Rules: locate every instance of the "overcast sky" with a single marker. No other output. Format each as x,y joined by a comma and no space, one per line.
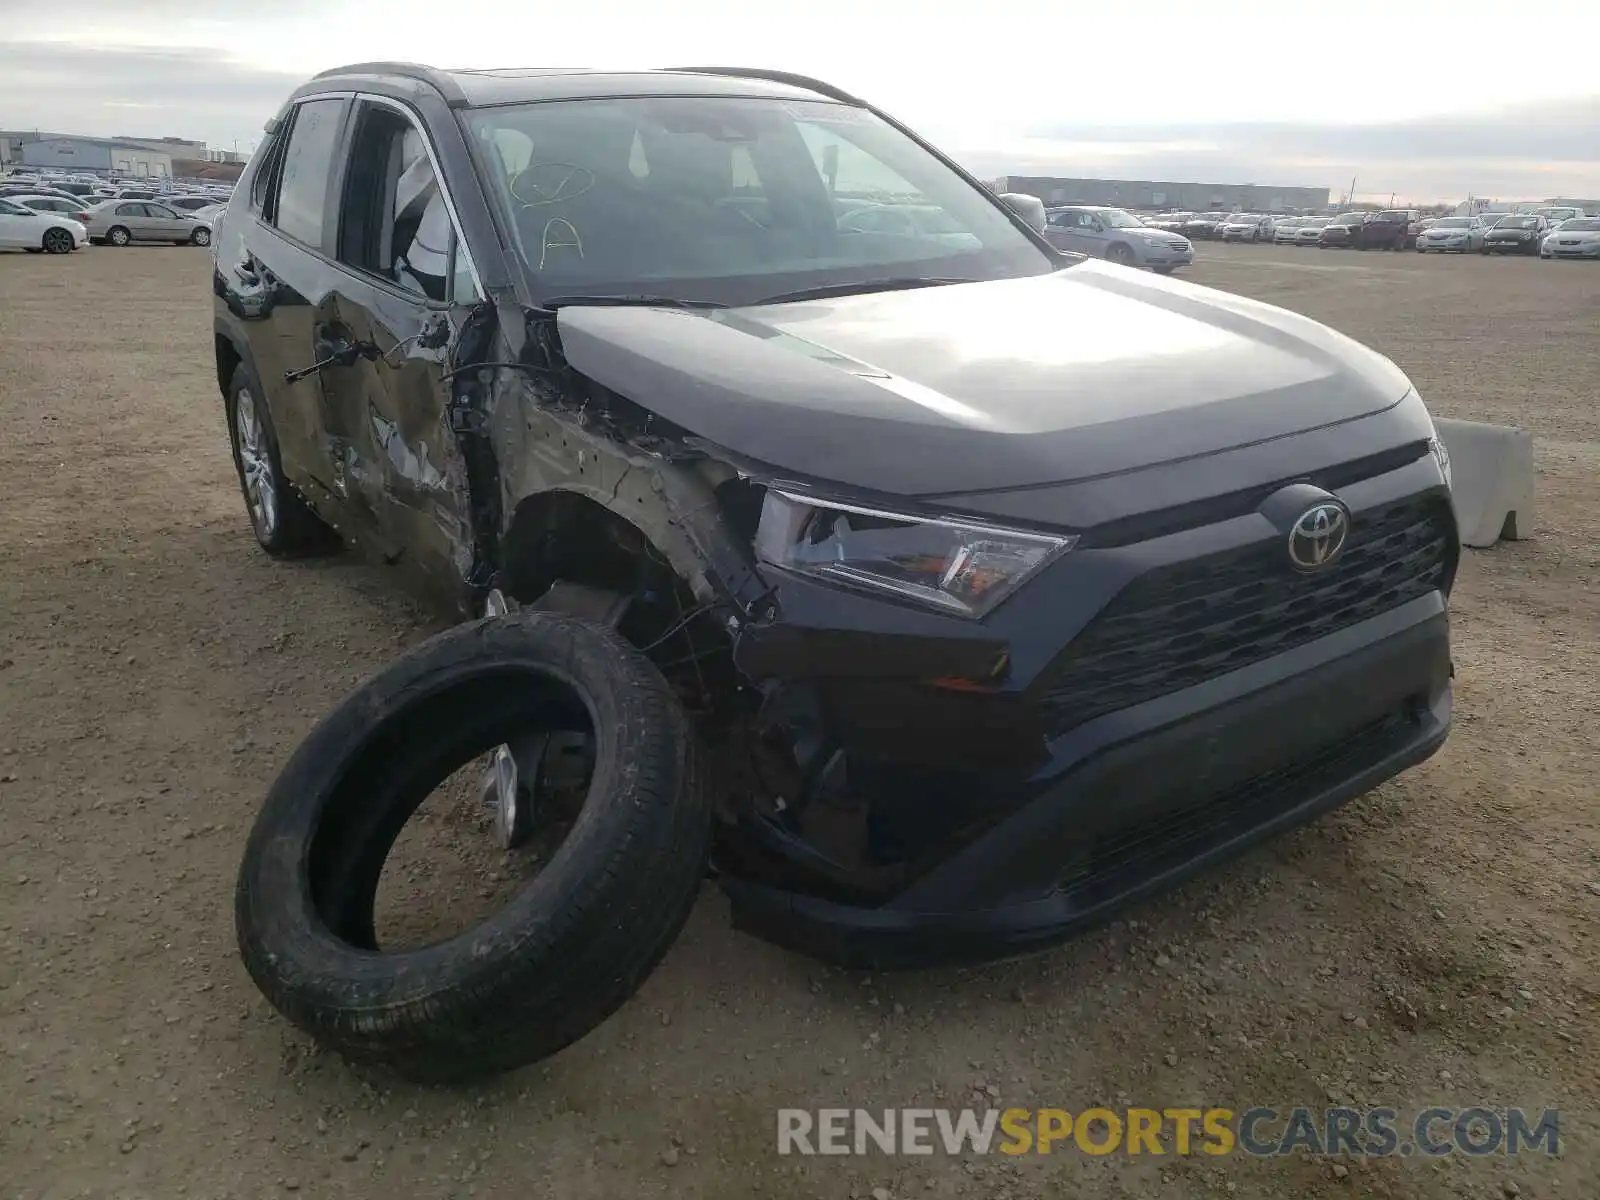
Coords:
1429,100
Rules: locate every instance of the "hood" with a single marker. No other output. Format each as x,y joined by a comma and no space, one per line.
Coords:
1090,370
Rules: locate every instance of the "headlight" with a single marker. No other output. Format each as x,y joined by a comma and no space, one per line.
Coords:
946,563
1442,457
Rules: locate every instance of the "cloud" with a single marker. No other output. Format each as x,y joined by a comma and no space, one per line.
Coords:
1528,151
103,91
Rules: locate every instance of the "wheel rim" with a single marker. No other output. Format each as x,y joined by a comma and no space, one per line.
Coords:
57,242
119,237
1118,254
255,466
202,237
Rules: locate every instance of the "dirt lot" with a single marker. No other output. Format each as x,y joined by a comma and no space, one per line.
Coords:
1431,944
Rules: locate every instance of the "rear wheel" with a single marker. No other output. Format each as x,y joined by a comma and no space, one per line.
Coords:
118,236
201,237
283,523
57,241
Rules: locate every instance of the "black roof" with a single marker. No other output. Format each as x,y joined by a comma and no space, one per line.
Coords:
472,88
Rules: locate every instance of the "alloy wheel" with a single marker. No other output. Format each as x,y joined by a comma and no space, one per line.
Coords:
255,465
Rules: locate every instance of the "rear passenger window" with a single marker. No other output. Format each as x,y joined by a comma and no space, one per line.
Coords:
307,168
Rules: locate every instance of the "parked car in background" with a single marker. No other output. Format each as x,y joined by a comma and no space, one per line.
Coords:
73,210
120,222
11,191
1578,237
1286,230
1245,227
1117,236
1518,233
1309,233
189,203
1559,212
1452,234
1367,231
1171,222
24,228
1415,228
1203,225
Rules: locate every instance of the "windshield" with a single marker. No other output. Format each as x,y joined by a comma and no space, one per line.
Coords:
1117,219
1351,219
1453,223
730,200
1518,222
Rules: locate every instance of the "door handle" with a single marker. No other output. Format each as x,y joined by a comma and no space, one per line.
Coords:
333,352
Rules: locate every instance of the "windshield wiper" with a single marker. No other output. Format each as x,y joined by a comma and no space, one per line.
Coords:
865,286
640,301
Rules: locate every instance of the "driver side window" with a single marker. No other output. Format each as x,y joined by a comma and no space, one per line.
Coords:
393,219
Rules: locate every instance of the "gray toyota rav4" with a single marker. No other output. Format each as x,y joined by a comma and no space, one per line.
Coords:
1008,585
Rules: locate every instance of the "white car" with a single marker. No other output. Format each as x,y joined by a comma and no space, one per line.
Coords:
1244,227
1577,237
1309,231
25,228
1286,230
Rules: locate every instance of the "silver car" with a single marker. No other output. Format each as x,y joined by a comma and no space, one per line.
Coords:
1576,237
1286,230
119,222
1456,235
1117,236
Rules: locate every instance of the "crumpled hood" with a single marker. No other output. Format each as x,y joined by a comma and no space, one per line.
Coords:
1092,370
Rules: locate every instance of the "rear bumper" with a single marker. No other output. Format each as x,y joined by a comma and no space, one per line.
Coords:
1134,802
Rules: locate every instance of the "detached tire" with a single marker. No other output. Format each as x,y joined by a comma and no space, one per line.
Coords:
570,947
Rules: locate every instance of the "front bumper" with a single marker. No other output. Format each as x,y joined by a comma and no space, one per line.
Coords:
1512,245
988,860
1150,796
1583,250
1165,256
1457,246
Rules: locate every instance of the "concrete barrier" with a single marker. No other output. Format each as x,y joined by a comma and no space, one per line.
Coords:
1491,469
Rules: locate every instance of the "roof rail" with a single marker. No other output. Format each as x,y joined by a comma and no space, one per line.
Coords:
439,80
788,77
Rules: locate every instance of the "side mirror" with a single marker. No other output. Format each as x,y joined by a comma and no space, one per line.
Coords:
1029,208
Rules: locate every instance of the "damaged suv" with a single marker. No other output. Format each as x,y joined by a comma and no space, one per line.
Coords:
1001,586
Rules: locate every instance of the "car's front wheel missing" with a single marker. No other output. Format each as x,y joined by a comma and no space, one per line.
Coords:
283,523
583,906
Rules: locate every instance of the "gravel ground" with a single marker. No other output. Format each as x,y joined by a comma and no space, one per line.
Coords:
1429,944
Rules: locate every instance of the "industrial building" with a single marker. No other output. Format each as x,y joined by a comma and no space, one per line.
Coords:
154,158
98,155
1189,197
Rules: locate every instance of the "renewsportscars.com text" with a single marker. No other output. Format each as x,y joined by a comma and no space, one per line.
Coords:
1261,1132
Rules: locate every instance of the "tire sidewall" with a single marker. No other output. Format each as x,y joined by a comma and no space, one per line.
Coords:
274,905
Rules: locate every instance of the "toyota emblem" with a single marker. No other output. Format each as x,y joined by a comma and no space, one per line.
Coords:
1318,537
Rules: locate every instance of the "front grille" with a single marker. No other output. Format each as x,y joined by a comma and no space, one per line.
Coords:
1183,624
1172,837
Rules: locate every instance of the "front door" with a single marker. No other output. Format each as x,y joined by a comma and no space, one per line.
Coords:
401,299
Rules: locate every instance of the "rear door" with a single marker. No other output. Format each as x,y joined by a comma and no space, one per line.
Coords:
405,288
278,272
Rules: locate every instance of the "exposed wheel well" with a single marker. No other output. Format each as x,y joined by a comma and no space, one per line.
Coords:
228,360
567,536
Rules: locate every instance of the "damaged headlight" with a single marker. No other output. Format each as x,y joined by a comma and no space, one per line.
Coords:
950,564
